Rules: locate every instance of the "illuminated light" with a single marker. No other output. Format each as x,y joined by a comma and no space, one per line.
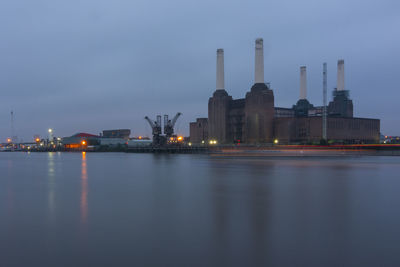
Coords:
83,142
190,144
171,138
276,141
180,138
140,138
50,130
8,140
37,140
202,141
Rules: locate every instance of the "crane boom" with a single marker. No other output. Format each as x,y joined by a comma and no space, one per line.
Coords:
175,119
152,125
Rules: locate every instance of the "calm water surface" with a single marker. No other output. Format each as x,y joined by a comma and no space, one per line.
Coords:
116,209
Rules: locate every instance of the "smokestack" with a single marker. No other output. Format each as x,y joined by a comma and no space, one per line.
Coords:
303,82
220,69
340,75
259,62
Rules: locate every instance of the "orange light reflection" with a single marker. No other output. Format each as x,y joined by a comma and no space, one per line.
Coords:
84,192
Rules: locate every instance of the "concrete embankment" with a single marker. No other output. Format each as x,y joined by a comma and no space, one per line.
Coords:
298,151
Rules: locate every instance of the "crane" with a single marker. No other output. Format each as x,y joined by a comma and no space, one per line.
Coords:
156,129
158,138
170,124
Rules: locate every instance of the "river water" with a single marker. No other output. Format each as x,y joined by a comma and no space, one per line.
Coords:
117,209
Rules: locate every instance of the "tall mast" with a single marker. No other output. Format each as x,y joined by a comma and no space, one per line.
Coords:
324,115
12,127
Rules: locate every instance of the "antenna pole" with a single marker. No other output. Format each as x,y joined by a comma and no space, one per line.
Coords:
324,115
12,127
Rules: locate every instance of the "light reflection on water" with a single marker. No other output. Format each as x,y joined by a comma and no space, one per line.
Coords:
84,191
188,210
51,183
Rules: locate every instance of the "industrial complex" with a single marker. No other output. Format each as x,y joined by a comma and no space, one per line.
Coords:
255,119
252,120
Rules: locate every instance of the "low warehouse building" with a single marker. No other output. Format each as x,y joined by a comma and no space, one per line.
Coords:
199,131
120,133
80,141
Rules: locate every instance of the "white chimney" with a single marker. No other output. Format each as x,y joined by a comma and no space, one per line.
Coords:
303,82
340,75
259,62
220,69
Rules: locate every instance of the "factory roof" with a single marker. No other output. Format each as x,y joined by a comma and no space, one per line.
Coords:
84,135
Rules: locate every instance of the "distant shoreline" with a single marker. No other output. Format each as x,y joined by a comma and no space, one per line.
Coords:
255,150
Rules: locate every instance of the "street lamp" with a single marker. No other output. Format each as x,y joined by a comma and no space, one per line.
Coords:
50,135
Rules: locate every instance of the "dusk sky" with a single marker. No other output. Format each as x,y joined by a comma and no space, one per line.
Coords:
86,66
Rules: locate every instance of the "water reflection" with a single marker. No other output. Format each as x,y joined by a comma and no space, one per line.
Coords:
51,184
260,207
280,204
188,210
10,191
84,190
241,200
221,210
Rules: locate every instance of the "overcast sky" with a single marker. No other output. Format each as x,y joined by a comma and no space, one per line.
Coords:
90,65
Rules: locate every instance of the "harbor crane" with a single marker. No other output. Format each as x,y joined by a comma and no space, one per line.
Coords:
170,124
160,139
156,129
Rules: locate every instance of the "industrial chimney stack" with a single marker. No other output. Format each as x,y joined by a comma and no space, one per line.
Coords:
303,82
220,69
340,75
259,61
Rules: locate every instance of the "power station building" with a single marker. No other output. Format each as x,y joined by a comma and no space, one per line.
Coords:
255,119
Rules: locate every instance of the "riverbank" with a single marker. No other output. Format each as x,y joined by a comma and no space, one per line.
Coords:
244,150
306,150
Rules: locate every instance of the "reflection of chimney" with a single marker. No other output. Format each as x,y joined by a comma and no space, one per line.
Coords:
340,75
259,62
220,69
303,82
